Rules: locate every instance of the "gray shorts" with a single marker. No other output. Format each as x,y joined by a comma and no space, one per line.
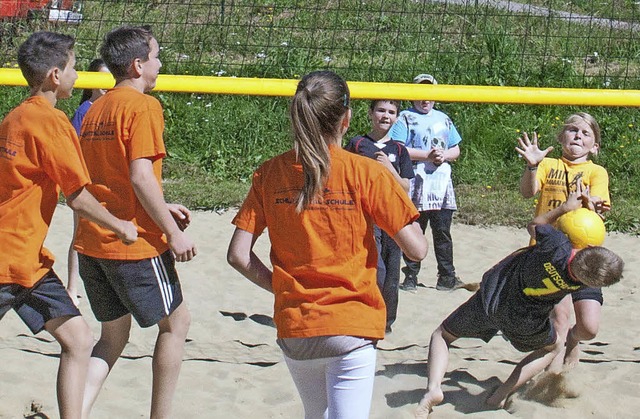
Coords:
470,320
148,289
46,300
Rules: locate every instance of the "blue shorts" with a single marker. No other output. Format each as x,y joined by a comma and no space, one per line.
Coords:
471,321
46,300
148,289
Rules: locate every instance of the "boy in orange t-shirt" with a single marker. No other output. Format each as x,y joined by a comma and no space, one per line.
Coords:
121,140
39,155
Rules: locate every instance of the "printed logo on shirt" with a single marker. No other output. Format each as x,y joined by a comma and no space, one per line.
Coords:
552,284
560,178
341,200
100,131
8,150
554,203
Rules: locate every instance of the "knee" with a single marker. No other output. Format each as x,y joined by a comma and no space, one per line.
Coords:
179,321
585,330
440,334
79,340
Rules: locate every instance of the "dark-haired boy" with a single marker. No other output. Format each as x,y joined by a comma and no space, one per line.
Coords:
393,155
39,155
516,297
121,140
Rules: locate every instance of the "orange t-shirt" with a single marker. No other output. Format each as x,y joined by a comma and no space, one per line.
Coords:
122,126
324,259
39,153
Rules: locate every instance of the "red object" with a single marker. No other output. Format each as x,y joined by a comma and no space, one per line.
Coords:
20,8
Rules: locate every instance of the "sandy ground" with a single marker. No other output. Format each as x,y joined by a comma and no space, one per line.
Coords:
233,368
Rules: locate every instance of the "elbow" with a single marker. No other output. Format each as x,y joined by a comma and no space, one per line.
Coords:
418,250
75,200
233,259
527,193
237,260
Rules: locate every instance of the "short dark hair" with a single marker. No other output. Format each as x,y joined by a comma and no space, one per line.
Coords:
597,266
374,102
94,65
41,52
123,45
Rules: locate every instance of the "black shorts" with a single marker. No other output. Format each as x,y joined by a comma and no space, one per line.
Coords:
46,300
148,289
470,320
588,294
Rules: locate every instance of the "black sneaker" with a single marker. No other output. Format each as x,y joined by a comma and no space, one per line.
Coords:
410,284
449,283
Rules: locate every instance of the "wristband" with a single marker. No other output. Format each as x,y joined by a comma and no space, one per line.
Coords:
532,168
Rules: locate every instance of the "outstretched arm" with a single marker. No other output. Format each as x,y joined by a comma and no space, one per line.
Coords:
240,255
529,150
574,201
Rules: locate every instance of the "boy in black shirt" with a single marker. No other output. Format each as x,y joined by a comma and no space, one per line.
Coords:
516,297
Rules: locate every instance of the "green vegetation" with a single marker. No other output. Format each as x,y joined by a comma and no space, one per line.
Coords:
215,142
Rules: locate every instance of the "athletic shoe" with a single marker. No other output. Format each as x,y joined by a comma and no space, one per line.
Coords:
410,284
449,283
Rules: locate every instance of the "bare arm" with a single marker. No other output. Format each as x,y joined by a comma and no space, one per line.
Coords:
149,193
420,155
412,241
73,274
451,154
529,185
574,201
86,206
240,255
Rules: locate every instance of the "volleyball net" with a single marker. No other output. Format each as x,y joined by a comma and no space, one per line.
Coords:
484,51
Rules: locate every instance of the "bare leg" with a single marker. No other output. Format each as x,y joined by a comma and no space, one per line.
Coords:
437,367
531,365
167,360
76,340
586,328
113,338
561,317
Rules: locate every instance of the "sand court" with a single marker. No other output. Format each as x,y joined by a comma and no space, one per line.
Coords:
234,369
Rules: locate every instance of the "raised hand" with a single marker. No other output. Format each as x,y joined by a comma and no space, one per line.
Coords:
530,151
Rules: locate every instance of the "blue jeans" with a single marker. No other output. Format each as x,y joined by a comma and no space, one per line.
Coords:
388,276
440,221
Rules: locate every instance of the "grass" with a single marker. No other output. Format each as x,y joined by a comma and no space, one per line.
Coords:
215,142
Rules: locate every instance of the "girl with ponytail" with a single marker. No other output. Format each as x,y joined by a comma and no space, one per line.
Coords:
319,203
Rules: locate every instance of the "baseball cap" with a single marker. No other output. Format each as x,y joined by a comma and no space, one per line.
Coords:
424,78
